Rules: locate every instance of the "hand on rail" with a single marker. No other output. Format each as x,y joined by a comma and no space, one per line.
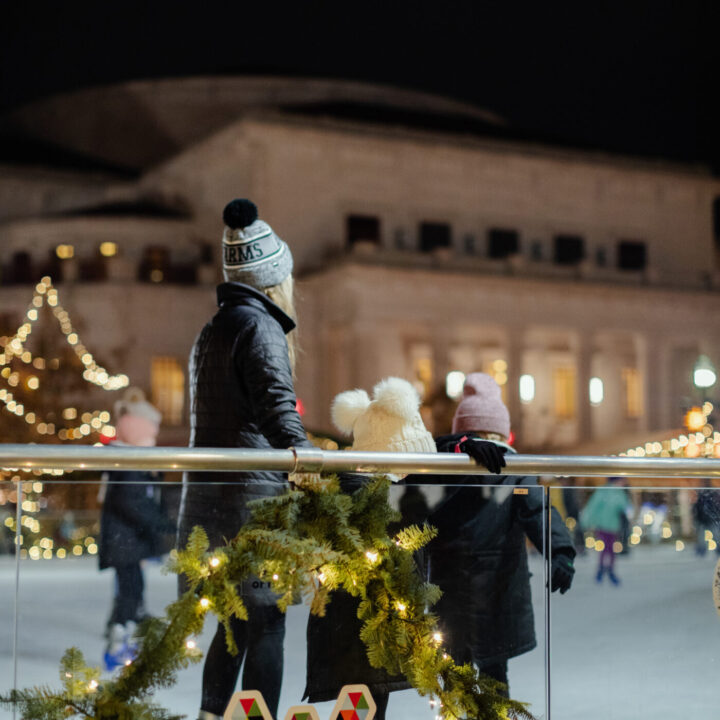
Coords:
485,453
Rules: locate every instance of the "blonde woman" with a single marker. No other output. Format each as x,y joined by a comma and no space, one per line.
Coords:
242,396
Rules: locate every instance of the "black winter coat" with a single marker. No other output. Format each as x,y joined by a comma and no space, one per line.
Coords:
241,396
479,560
133,525
336,655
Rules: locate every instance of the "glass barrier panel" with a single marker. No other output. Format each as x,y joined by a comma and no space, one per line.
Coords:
638,634
8,570
488,558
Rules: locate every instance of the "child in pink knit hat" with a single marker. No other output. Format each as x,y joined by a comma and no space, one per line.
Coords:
479,558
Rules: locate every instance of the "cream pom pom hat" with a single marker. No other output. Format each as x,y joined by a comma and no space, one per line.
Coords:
389,422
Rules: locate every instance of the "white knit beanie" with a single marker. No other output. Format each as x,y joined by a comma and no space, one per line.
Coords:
389,422
133,403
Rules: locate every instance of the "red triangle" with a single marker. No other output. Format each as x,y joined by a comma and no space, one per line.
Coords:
247,703
355,698
349,715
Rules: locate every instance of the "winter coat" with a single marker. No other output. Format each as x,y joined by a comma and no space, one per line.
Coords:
605,508
133,524
336,655
241,396
479,559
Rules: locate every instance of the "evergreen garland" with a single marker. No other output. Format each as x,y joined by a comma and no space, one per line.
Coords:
308,543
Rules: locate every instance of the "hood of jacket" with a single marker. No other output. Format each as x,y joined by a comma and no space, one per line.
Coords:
235,293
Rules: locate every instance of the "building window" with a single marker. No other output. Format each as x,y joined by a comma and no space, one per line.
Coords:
569,249
155,264
168,389
363,228
434,235
422,368
632,255
564,392
632,392
502,243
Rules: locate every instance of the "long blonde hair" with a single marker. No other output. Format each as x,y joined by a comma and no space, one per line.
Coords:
283,295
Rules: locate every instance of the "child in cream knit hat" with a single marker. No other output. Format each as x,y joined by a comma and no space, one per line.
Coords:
388,422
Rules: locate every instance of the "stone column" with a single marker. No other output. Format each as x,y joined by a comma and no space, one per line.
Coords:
514,349
584,373
654,365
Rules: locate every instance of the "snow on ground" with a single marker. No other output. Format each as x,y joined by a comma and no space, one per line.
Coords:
647,649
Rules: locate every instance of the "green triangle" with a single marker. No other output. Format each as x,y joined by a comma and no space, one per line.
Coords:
302,716
255,710
362,703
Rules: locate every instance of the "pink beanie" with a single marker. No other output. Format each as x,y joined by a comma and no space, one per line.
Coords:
481,408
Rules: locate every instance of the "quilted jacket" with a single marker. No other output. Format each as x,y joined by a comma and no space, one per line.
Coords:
241,396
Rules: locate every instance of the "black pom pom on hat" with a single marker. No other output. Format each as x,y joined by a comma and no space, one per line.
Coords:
240,213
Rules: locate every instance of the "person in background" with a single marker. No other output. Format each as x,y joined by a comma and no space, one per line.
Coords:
336,656
242,396
132,524
603,516
479,558
706,514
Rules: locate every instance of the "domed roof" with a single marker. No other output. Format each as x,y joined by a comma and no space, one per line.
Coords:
137,124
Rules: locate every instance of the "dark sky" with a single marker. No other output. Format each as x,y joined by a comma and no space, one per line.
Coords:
633,77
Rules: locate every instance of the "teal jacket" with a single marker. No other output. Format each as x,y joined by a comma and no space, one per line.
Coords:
604,509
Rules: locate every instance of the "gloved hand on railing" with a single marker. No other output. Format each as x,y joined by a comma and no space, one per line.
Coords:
485,453
562,572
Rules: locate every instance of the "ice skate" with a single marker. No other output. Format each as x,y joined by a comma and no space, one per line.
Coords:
117,652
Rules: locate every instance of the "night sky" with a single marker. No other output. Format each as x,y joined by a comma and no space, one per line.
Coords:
630,77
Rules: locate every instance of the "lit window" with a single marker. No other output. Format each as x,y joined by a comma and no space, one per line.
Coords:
632,392
596,390
108,249
564,392
168,388
497,370
454,382
65,252
527,388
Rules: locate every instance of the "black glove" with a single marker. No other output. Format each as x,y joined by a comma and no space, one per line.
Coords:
562,573
485,453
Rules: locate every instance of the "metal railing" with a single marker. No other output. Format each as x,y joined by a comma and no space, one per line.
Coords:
312,460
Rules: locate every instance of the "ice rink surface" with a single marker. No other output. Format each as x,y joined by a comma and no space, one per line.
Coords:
647,649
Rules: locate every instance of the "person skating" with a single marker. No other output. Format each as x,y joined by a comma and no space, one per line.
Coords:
242,396
603,516
479,558
132,525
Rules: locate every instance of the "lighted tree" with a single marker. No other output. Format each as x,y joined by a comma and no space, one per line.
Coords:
52,390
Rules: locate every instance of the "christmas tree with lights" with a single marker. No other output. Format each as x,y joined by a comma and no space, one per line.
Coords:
47,375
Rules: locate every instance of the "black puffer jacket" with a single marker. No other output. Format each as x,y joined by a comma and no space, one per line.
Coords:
133,525
479,560
241,396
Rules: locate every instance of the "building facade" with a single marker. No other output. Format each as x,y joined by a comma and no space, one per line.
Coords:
587,284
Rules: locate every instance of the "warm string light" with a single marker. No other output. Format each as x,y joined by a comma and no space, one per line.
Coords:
13,346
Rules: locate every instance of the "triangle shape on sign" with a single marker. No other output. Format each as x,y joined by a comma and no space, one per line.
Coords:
348,715
302,716
354,698
348,704
247,704
255,710
362,703
362,713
